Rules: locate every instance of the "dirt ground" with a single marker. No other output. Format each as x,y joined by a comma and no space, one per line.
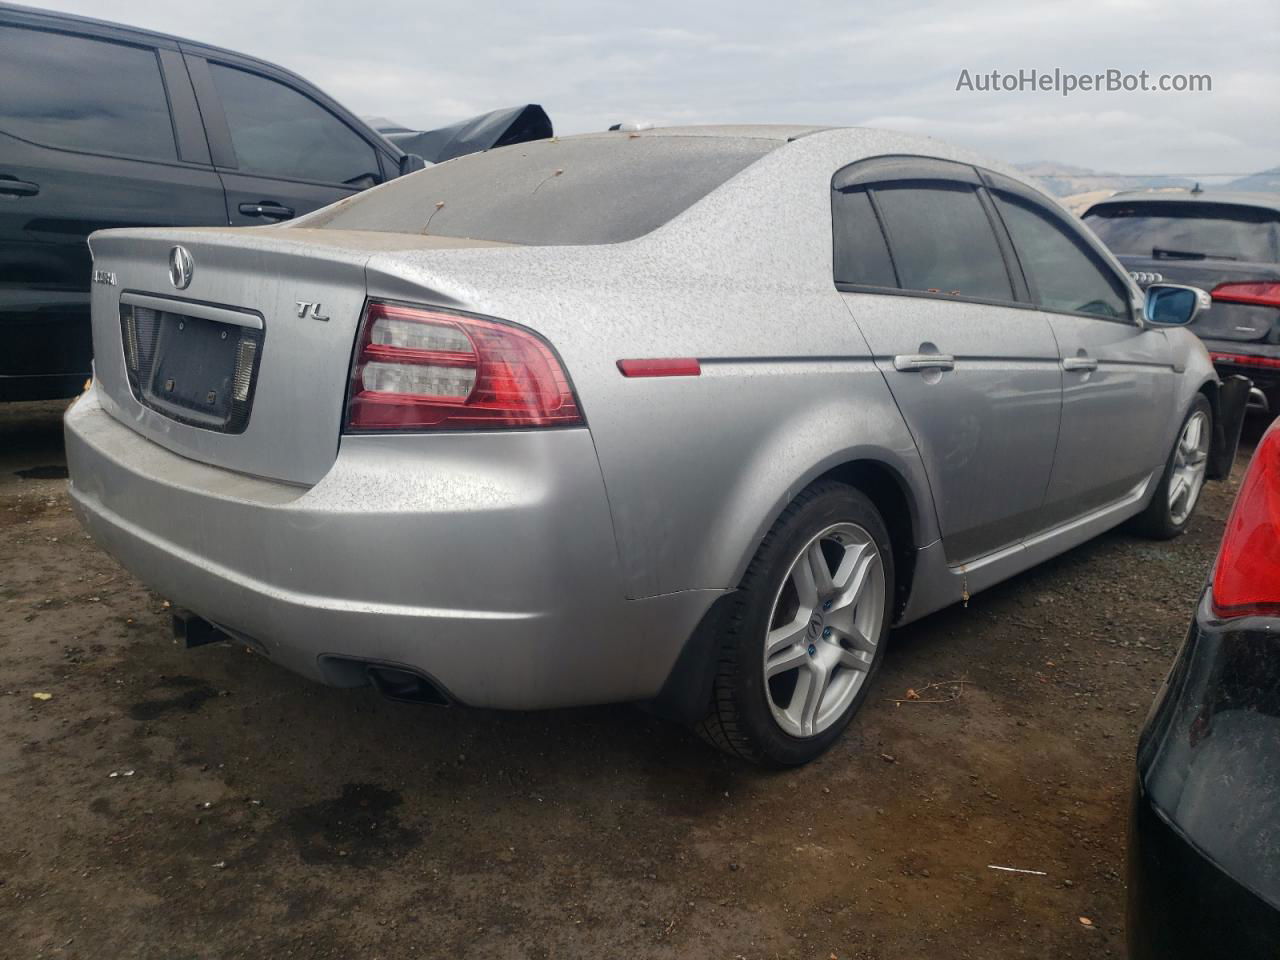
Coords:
207,804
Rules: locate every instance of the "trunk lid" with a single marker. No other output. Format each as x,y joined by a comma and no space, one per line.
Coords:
246,366
1222,321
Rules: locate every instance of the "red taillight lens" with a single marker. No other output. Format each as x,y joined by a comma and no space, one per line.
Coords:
419,368
1258,294
1246,579
1244,360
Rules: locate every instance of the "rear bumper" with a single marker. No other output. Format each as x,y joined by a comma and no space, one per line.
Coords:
1204,879
1260,362
1182,905
484,561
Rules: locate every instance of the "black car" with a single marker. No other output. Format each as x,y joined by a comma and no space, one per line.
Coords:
107,126
1225,243
1204,844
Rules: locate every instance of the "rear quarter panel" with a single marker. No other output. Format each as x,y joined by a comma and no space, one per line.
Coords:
698,468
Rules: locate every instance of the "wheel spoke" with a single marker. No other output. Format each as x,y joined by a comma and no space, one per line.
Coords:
1193,494
806,588
785,636
855,659
815,685
859,640
788,658
1176,490
819,569
854,582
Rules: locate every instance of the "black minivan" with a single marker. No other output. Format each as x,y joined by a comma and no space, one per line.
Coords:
108,126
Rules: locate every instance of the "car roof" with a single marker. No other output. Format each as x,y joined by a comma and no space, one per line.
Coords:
781,132
37,18
857,143
1240,198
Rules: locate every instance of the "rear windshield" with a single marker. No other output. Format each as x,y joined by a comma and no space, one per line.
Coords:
1186,231
577,191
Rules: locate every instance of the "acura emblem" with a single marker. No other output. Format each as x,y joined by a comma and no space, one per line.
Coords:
180,267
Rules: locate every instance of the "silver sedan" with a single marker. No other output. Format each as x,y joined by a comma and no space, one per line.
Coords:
690,417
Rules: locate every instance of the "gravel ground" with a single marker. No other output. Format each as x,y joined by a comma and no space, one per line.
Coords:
172,804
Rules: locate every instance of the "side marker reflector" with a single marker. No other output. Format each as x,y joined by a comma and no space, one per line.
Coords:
661,367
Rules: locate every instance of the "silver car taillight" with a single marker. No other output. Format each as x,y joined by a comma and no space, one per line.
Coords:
423,368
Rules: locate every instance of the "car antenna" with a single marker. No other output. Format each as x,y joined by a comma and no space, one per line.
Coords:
1197,188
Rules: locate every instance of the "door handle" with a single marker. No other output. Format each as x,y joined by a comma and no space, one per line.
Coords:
1080,363
10,187
907,362
266,208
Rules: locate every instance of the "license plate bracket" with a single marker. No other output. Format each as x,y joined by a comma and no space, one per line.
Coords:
195,363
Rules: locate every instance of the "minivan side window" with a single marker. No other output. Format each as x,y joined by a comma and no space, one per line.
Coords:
860,251
77,93
942,240
1063,274
279,132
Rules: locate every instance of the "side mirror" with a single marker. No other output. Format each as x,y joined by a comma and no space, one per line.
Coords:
411,163
1174,305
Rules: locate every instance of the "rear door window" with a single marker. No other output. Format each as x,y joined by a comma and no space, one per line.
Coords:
942,240
279,132
1064,275
77,93
861,251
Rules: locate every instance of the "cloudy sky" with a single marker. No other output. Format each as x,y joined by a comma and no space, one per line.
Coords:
594,62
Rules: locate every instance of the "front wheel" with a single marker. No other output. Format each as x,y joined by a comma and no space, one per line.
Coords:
807,632
1178,493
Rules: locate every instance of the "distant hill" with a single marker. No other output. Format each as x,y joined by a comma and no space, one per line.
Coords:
1268,181
1064,180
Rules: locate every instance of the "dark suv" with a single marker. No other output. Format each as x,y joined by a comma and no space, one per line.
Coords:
1225,243
107,126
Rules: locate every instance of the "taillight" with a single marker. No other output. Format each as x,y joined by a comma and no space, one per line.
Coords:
1258,294
1244,360
420,368
1246,579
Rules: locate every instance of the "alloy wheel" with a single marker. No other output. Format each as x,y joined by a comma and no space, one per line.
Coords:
1190,460
824,629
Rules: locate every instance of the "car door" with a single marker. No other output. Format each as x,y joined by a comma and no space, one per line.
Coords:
926,276
280,152
1117,376
97,130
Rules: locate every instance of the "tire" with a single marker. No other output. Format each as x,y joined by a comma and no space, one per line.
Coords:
1273,402
1162,520
834,649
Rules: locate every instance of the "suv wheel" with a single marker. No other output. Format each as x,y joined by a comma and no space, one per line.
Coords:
808,630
